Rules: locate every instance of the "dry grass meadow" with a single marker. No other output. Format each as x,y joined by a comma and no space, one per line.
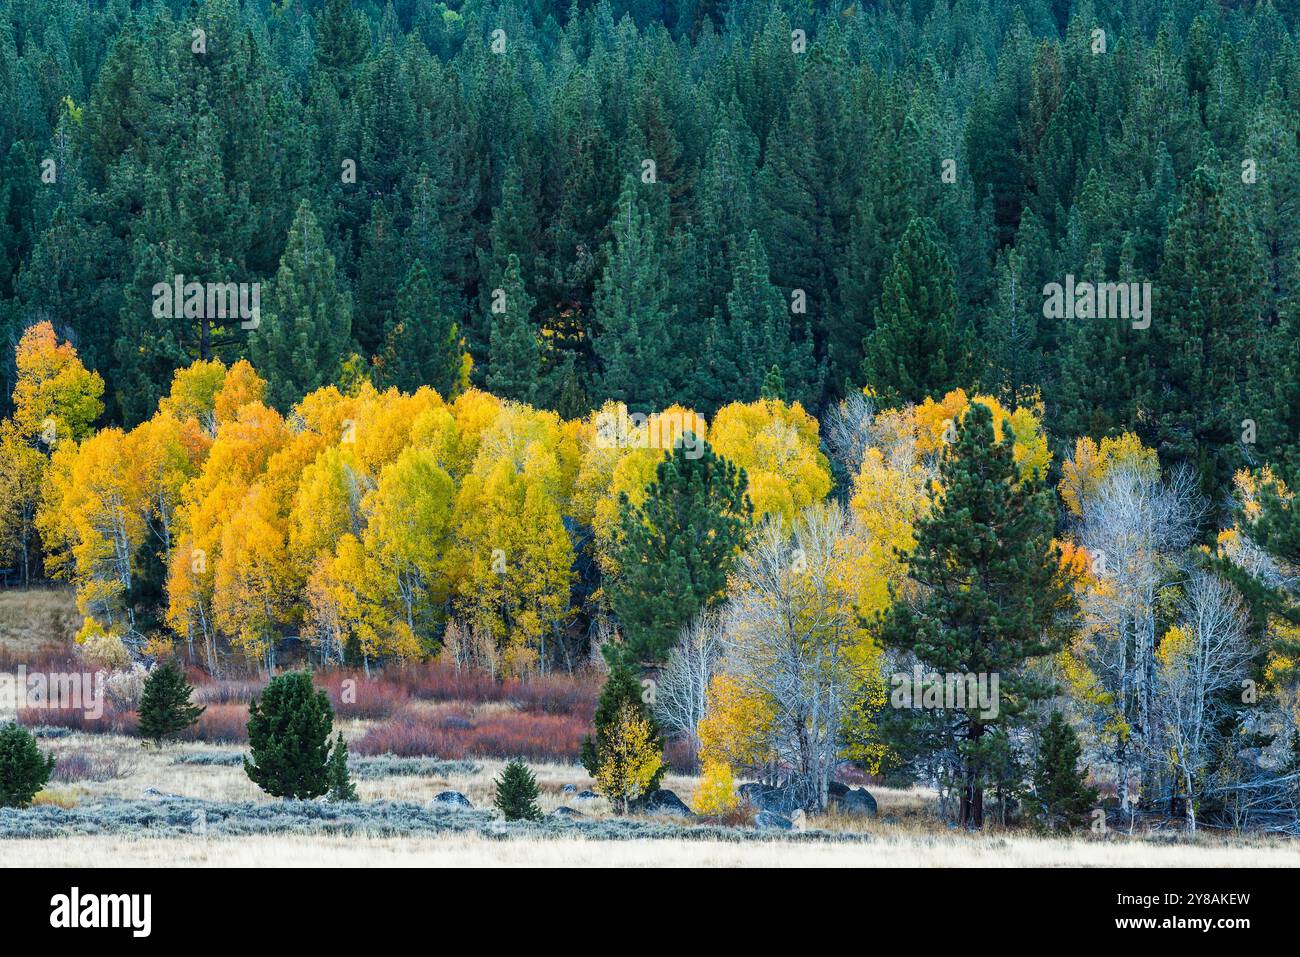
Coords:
101,768
904,836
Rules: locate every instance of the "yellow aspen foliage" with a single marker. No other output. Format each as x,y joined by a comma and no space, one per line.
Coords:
618,455
241,386
1087,691
194,392
340,602
936,424
716,794
326,506
238,457
737,726
381,426
252,596
55,397
436,430
94,515
1248,486
474,411
1083,473
162,455
327,412
22,477
511,562
406,542
889,498
778,447
629,760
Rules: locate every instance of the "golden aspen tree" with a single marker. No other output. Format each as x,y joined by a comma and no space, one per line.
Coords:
716,793
55,397
252,598
95,520
512,558
616,457
629,760
777,444
56,401
406,541
239,455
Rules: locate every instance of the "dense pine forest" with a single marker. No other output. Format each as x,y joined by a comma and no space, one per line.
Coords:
787,358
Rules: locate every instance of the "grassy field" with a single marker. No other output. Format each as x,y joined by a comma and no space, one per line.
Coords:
36,617
905,835
471,850
102,779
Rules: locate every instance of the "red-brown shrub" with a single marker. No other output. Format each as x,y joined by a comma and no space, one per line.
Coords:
454,733
374,697
219,724
110,722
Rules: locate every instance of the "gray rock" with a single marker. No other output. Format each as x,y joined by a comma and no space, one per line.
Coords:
771,821
453,799
664,801
155,793
763,798
569,789
857,802
586,796
563,811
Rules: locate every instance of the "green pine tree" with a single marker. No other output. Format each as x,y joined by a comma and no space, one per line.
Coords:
516,793
423,344
773,385
289,736
1205,340
514,355
23,769
634,310
165,707
341,787
993,598
918,349
302,338
677,547
1062,796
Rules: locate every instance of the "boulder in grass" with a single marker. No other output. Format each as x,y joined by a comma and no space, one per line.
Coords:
664,801
452,799
566,812
856,802
586,796
771,821
761,797
569,789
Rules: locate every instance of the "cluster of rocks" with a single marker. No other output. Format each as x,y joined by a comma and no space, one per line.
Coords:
778,808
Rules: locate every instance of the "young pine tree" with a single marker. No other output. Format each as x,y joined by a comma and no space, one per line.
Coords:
289,735
993,597
23,769
341,786
621,692
516,793
1062,795
165,707
678,546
